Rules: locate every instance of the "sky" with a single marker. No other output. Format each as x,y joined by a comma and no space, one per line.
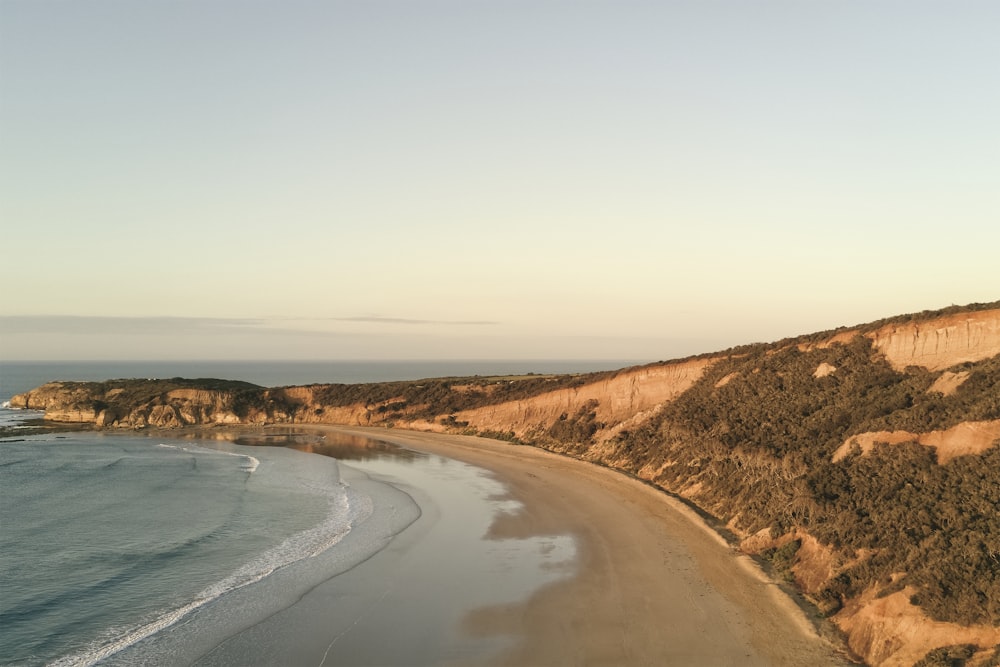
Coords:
477,179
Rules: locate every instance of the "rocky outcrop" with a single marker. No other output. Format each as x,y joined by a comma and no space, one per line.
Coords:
823,370
948,383
889,631
133,404
52,394
814,563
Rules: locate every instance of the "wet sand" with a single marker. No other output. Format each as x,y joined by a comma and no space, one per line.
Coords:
653,585
403,597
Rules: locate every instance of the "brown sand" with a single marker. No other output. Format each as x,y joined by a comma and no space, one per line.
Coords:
655,585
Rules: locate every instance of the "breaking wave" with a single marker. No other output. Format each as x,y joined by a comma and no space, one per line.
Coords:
344,511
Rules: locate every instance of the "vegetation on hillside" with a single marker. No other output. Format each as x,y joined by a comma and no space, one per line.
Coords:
761,447
432,398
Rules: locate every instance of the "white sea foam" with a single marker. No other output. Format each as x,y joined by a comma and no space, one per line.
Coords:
95,655
345,510
11,417
249,465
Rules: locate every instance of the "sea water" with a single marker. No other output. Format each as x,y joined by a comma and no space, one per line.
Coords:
109,539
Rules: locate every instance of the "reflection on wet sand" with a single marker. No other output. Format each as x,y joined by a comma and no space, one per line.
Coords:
341,446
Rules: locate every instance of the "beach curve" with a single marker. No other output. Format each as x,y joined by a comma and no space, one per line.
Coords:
655,584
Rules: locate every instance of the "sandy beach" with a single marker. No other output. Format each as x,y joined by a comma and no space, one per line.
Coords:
467,551
653,585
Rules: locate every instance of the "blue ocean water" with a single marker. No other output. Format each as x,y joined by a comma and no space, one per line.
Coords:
113,546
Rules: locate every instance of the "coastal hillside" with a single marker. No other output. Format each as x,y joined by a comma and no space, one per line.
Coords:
863,464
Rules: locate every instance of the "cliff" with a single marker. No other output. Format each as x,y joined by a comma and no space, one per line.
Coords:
142,403
941,342
862,464
627,396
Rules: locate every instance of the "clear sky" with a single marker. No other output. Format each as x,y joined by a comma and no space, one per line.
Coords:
290,179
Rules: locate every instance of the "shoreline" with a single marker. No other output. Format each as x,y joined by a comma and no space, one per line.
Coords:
643,556
403,604
652,582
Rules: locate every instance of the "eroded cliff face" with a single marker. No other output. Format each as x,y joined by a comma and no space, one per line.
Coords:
889,631
962,439
935,344
304,405
116,407
51,394
628,396
941,343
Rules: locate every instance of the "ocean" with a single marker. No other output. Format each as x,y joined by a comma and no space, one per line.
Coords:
120,548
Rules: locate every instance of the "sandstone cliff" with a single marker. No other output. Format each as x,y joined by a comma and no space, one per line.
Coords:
142,403
617,400
942,342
